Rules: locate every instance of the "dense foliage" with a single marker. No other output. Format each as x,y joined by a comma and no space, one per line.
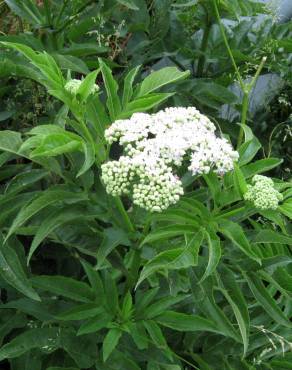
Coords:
101,268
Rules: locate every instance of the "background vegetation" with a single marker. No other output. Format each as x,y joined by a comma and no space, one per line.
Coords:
87,280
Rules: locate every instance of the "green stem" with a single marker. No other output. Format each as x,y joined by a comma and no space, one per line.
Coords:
124,214
244,110
256,76
242,85
231,213
245,101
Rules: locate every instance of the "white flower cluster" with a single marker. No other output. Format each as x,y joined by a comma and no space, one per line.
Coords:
154,146
262,193
73,85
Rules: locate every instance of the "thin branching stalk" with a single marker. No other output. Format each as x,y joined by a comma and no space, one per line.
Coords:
124,214
245,87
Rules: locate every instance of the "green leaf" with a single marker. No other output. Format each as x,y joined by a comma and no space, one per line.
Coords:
111,293
130,4
30,12
283,278
111,86
83,352
168,232
260,166
87,85
160,78
110,342
12,272
239,180
128,85
248,150
178,216
70,62
286,208
112,238
208,305
10,141
30,339
174,259
24,180
235,233
95,324
54,220
281,364
211,94
89,154
96,114
56,144
44,62
94,279
264,298
161,305
155,333
235,298
64,286
39,310
214,246
139,335
80,312
143,104
42,201
127,307
183,322
270,236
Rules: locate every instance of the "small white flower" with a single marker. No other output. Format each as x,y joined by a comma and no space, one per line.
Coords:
154,146
262,193
73,85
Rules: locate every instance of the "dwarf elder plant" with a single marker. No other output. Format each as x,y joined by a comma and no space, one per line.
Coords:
134,240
